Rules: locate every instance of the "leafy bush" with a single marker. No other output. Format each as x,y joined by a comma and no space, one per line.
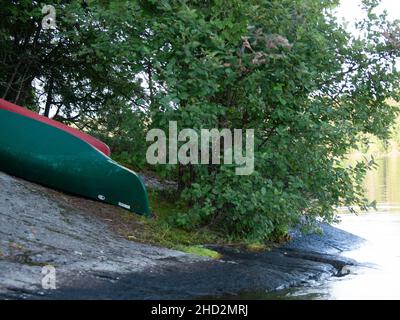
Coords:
285,68
288,70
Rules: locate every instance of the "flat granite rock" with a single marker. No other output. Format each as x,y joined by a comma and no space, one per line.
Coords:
40,227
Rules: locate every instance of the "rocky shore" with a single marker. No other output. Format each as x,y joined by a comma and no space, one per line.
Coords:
41,227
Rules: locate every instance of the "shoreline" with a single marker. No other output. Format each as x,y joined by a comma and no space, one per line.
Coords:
41,227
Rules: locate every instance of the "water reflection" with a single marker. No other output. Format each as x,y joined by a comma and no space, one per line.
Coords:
381,228
382,231
383,184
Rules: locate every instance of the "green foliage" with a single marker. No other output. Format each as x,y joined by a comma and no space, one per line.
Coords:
199,251
162,232
81,73
291,72
287,69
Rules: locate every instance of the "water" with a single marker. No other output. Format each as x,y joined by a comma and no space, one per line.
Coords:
380,278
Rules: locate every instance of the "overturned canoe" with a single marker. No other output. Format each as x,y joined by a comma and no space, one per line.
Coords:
42,153
8,106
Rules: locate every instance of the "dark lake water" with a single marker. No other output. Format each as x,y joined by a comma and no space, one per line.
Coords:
380,279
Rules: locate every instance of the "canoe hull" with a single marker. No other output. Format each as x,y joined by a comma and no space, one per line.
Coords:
8,106
44,154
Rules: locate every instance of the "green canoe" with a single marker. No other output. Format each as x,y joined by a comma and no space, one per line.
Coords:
41,153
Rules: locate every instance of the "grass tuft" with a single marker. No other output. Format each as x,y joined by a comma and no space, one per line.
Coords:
199,251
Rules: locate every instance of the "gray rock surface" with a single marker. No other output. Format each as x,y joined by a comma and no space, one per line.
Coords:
39,227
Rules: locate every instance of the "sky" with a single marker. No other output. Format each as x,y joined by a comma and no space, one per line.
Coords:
351,9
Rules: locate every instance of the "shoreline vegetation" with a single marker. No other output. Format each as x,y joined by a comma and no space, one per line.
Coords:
307,87
159,232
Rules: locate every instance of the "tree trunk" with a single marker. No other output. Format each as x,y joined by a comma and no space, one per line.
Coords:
49,99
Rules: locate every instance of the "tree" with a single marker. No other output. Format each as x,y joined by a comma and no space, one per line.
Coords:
74,72
290,71
285,68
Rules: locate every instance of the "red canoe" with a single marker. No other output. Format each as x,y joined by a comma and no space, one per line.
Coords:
99,145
